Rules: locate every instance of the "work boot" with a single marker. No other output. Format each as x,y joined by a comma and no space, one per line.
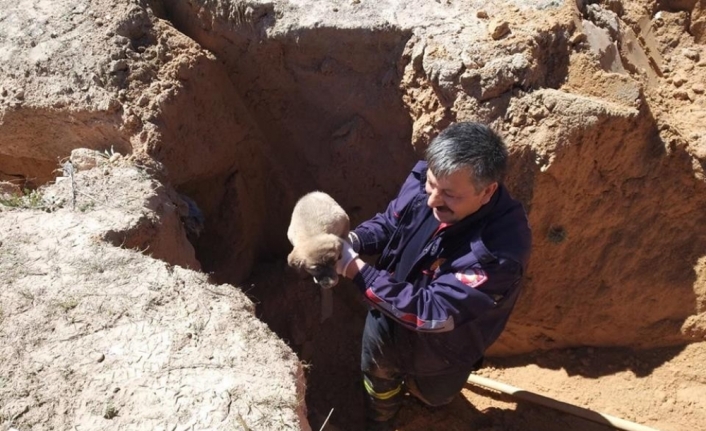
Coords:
381,405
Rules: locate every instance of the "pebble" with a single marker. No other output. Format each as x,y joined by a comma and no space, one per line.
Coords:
99,357
482,14
691,54
680,95
119,65
498,29
577,38
678,81
698,88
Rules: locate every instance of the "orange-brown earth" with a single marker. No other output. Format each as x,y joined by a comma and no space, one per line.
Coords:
244,106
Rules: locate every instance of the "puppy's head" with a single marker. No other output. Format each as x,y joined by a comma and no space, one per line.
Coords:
318,256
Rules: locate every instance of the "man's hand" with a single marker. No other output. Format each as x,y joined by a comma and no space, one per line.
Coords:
348,255
354,240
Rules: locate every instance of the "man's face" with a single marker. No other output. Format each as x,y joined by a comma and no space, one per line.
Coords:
454,196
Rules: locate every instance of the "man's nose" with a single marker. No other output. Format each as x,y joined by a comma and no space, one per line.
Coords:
434,199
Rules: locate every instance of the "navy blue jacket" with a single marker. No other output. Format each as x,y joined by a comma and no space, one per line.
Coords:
451,289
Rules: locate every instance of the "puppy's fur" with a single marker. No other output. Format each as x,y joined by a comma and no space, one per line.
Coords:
316,231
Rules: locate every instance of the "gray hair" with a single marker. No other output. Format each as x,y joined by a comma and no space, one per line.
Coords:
472,146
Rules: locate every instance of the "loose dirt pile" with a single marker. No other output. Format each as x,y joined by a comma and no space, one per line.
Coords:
240,107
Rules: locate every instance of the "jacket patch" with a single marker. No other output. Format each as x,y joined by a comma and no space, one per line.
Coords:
472,277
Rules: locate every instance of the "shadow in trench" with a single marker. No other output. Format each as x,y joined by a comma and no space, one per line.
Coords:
594,362
328,106
331,349
525,415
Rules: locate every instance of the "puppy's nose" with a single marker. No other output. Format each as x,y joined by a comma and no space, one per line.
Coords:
326,282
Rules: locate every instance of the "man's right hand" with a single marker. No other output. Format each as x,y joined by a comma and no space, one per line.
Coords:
348,255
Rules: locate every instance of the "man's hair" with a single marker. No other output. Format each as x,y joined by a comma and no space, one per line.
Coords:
471,146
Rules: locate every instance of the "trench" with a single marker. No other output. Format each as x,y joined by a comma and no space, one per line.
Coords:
325,110
321,108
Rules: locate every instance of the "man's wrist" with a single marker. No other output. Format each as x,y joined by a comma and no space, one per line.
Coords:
354,241
354,267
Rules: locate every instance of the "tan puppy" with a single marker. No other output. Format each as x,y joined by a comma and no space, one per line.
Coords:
316,231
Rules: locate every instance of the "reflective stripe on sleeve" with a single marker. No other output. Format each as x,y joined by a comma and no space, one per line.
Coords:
420,324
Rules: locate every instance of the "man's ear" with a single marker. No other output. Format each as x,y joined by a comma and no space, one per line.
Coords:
488,192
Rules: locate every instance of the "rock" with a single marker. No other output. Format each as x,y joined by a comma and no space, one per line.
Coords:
83,159
498,28
680,95
678,81
9,189
577,38
691,54
119,66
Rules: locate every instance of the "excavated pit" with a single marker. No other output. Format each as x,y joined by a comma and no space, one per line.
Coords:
327,105
329,110
603,155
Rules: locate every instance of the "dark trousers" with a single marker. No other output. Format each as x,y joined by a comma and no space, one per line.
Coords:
385,378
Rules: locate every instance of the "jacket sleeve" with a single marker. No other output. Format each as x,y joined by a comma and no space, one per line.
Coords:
376,232
450,299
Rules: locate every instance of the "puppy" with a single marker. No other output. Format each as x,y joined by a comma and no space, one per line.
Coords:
316,232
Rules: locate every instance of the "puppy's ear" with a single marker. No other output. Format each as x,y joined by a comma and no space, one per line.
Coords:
295,261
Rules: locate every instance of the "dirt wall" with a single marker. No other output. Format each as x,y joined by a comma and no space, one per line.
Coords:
585,95
244,106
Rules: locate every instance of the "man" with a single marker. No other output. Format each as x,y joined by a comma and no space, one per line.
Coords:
453,247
